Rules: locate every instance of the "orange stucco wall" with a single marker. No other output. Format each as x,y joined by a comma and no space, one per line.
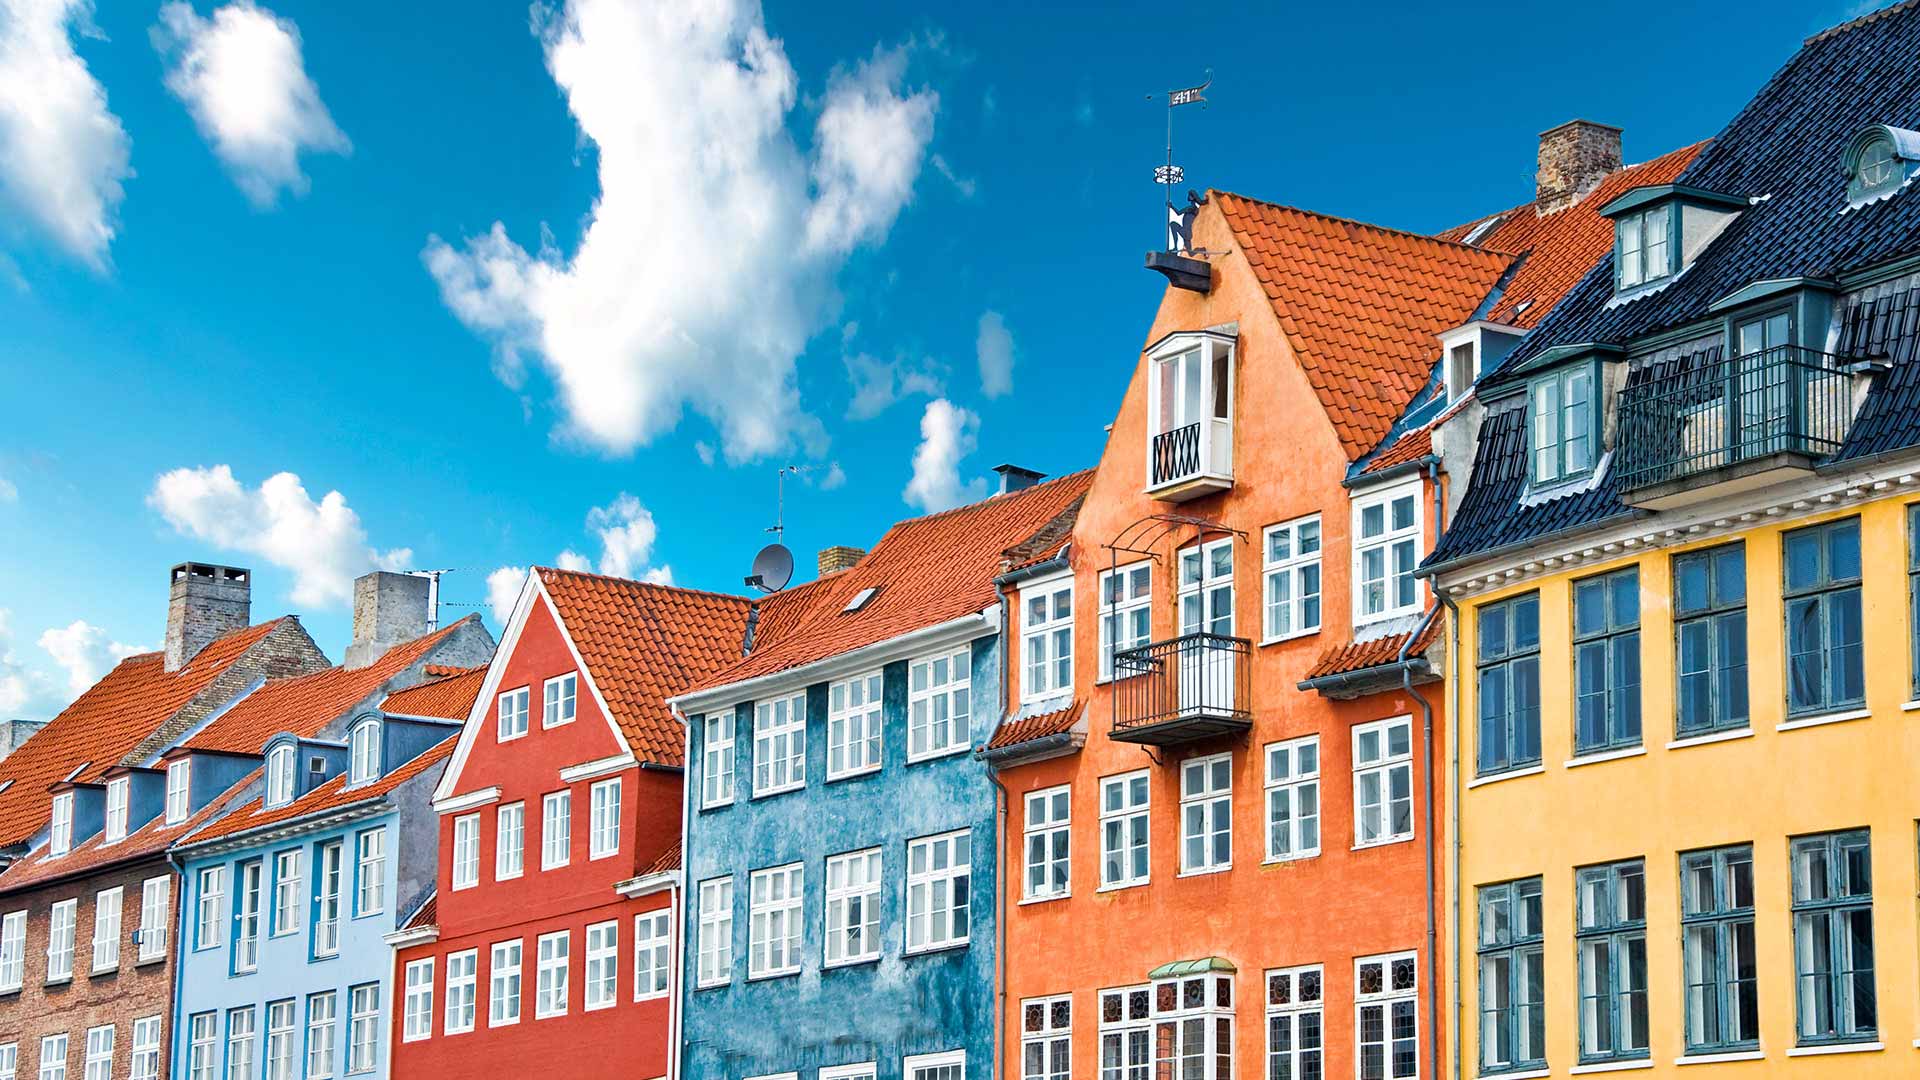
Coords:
1328,909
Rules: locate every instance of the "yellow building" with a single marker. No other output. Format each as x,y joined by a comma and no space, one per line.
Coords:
1683,582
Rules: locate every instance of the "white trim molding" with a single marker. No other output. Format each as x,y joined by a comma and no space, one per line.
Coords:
454,804
587,770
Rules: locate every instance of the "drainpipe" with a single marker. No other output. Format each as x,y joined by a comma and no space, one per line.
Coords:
1000,804
1432,470
678,903
1453,810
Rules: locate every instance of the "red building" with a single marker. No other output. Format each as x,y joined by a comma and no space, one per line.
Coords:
548,946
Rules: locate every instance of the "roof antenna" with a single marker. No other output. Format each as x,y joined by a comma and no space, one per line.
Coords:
433,595
773,566
1179,222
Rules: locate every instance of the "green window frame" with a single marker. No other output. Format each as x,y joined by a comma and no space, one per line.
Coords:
1710,640
1610,936
1717,950
1913,596
1563,418
1644,244
1509,684
1834,999
1606,661
1513,1017
1826,660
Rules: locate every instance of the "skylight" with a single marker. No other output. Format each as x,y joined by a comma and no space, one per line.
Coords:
860,599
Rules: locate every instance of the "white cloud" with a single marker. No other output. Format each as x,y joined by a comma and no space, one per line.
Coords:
8,493
877,383
709,257
242,76
948,433
83,651
627,532
503,589
321,543
835,479
63,153
994,345
21,688
965,185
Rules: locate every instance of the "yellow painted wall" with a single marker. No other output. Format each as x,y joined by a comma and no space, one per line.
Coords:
1760,790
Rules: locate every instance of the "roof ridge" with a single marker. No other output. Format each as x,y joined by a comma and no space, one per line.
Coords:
1357,223
1859,21
996,499
646,585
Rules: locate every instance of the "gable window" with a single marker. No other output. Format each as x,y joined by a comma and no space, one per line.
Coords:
603,965
1610,932
1293,798
511,712
853,907
326,901
1606,661
509,841
652,954
1124,823
716,932
1047,827
1126,611
1386,551
179,777
559,694
1710,631
246,916
1190,411
60,831
1509,684
1564,425
1296,1024
1826,665
780,745
939,897
1046,1038
716,759
1513,1021
604,838
116,826
1833,938
1292,574
1047,638
1383,781
853,726
279,776
1206,814
208,910
1386,997
773,932
13,950
939,693
363,752
556,829
1717,949
417,1011
462,983
1643,247
466,851
550,974
370,872
503,983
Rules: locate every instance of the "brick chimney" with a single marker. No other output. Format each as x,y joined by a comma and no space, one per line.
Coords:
388,608
203,602
1014,478
839,557
1574,158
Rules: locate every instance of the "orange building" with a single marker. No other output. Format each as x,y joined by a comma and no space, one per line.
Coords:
1220,835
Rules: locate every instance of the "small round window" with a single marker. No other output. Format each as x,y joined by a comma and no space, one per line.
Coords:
1876,168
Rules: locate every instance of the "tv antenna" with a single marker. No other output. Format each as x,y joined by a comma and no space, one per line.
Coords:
1179,222
433,595
773,566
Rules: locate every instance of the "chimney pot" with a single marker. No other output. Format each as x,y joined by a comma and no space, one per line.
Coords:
1015,478
388,608
1574,158
204,601
839,557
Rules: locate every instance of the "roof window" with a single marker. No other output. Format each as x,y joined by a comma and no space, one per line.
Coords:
860,600
1879,162
1660,229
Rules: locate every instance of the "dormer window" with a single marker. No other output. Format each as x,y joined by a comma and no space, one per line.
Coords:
1879,161
1645,246
1564,425
364,752
60,830
179,779
1190,416
117,809
1661,229
1472,350
280,776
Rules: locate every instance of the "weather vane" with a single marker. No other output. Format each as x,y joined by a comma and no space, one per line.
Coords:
1179,222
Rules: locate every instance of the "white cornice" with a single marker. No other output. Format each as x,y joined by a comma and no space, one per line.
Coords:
647,884
417,935
587,770
453,804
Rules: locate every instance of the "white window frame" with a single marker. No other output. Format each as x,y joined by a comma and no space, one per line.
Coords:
240,1043
926,693
98,1064
53,1057
556,829
853,907
1292,569
859,1070
463,980
278,1059
60,934
934,1066
856,725
60,827
510,859
652,954
1124,821
289,894
10,1062
203,1042
1206,807
1385,542
179,790
780,745
925,911
208,910
416,1017
717,758
107,913
280,785
328,868
1384,1000
1046,643
370,871
716,933
143,1060
363,752
1292,786
553,961
1304,996
603,810
363,1028
774,899
1383,767
559,700
13,951
156,921
116,823
249,893
1205,584
512,711
1120,604
505,989
1046,1048
603,966
323,1017
1046,829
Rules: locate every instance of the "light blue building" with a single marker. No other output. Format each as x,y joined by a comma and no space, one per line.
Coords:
840,850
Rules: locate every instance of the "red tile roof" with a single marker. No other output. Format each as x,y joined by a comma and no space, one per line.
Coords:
425,914
924,571
1411,446
448,696
148,841
1029,728
247,814
668,861
307,703
109,721
1045,543
1361,305
1360,655
644,643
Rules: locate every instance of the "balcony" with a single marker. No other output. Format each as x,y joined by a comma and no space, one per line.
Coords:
1182,690
1708,425
1190,461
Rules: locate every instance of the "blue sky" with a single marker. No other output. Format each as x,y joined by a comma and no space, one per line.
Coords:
719,251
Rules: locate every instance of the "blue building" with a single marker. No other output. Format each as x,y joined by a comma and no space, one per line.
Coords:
840,860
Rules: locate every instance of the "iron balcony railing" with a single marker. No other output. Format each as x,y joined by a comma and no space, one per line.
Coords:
1176,455
1184,688
1709,411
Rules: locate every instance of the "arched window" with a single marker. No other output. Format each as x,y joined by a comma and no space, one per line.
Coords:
280,776
1878,161
364,745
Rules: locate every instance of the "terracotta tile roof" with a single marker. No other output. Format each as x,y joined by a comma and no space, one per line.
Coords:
425,914
668,861
246,813
449,696
924,571
149,840
307,703
645,643
1411,446
1045,543
108,722
1360,304
1039,726
1360,655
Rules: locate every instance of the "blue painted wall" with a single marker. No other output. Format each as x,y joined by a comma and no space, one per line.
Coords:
882,1011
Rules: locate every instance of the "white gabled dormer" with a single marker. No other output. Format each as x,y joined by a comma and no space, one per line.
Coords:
1472,350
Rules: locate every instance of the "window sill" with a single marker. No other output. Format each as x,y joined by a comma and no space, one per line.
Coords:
145,960
1510,774
936,755
712,985
1388,842
831,965
1599,756
1208,872
935,950
1123,886
12,991
1824,719
1611,1066
771,792
1836,1048
1716,1059
1281,860
1294,636
1522,1074
1053,898
63,980
1710,739
1910,706
704,807
852,774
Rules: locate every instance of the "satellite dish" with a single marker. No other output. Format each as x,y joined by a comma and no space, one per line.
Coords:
772,568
